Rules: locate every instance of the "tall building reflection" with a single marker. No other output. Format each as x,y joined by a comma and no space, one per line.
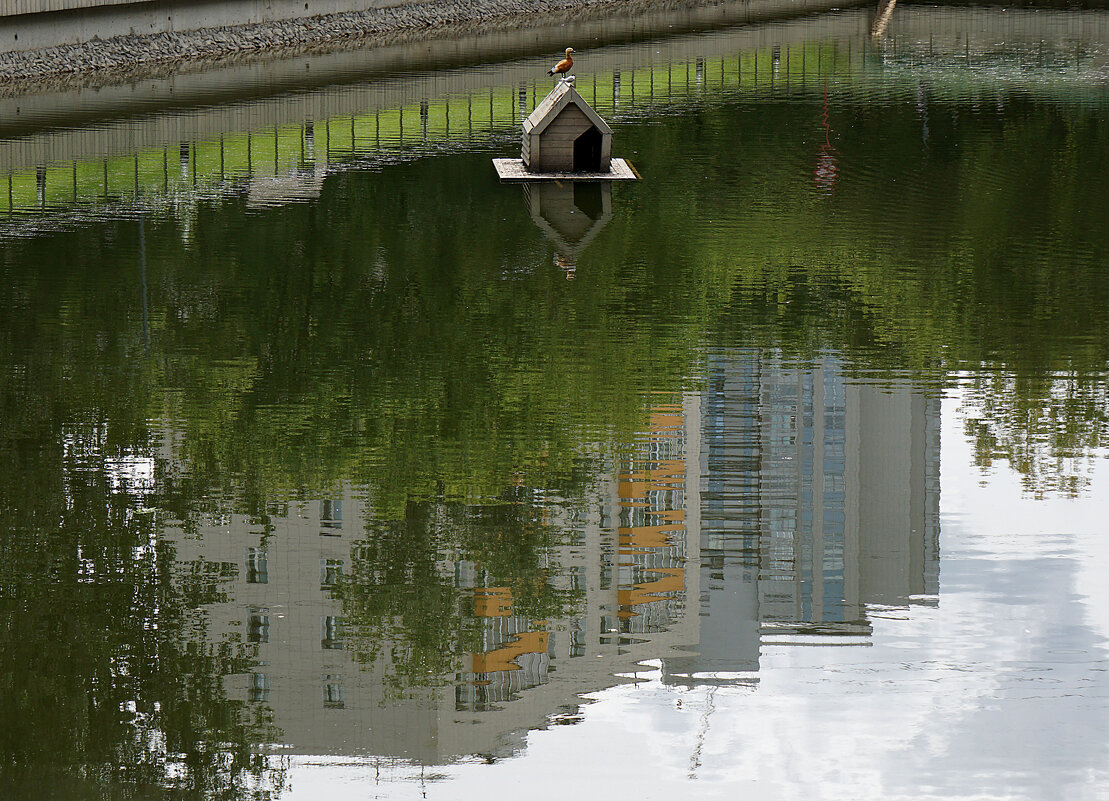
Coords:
820,495
772,507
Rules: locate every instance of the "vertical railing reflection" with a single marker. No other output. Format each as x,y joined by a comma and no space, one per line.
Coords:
230,161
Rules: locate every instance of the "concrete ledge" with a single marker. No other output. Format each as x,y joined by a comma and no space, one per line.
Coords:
512,171
60,23
13,8
121,43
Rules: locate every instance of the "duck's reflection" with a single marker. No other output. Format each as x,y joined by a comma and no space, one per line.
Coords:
827,167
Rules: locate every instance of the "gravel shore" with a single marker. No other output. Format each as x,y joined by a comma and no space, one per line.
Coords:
131,56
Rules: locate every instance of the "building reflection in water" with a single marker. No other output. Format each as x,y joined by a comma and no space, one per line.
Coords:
630,561
819,496
772,507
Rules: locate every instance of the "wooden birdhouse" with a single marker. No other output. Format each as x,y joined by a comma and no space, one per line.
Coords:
564,134
565,140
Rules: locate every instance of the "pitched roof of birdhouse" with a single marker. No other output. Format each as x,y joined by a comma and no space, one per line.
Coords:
552,105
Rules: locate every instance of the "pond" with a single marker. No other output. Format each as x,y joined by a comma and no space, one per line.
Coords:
332,465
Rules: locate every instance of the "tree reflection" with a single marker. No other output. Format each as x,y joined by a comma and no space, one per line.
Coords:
1045,427
109,680
404,333
403,593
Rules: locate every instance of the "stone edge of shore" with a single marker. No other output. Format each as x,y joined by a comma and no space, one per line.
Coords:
130,57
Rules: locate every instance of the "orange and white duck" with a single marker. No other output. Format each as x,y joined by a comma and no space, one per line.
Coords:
563,67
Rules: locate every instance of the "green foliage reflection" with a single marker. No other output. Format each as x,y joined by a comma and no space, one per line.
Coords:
409,333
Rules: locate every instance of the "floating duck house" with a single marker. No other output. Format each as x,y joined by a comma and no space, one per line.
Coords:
565,139
564,134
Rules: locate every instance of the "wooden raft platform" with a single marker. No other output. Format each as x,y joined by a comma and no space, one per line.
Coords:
513,171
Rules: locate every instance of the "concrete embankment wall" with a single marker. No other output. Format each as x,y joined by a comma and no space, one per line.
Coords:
130,41
40,24
13,8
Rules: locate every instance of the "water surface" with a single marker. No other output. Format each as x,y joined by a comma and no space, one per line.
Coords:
332,465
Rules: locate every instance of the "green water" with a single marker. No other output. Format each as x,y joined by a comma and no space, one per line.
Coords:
368,471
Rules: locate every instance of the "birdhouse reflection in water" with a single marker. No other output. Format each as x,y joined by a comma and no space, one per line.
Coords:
570,214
